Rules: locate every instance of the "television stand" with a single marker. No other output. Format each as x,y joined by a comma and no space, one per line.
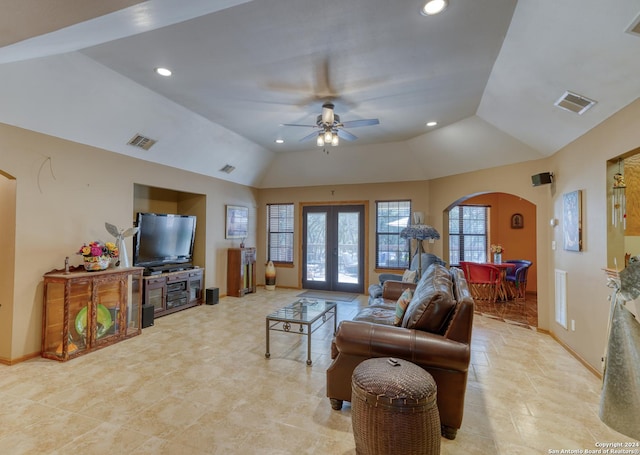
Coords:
175,290
167,268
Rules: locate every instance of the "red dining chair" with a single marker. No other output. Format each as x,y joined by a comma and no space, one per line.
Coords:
483,279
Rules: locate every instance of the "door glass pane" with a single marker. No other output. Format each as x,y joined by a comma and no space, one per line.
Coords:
348,241
316,247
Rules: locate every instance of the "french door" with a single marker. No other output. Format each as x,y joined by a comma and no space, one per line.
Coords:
333,248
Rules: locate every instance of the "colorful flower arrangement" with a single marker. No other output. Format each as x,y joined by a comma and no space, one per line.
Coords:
99,249
497,248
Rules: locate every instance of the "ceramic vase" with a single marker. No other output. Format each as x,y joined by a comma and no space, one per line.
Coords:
123,258
96,263
270,277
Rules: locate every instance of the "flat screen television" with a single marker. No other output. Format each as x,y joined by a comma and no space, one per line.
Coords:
163,239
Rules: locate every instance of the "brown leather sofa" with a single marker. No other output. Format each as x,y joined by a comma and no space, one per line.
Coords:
435,334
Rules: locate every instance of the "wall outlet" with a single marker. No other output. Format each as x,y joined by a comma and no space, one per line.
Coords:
573,325
553,245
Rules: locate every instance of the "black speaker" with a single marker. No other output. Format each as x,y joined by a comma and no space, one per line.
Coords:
147,315
213,294
542,179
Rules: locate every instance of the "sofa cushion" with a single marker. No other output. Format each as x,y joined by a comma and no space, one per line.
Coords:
401,305
375,291
432,301
378,313
409,276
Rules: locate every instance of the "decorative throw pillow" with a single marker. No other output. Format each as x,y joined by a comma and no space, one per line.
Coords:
409,276
432,302
401,306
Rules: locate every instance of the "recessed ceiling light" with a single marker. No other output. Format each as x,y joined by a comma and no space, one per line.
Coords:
432,7
432,123
279,141
163,72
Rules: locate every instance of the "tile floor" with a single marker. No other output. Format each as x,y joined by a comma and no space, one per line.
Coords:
197,382
522,313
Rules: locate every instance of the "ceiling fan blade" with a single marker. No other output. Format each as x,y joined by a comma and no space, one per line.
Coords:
364,122
297,124
342,134
308,137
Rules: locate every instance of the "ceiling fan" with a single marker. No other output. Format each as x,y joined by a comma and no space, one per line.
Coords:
330,128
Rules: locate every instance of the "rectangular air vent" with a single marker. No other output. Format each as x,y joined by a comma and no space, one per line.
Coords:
140,141
228,168
574,103
561,297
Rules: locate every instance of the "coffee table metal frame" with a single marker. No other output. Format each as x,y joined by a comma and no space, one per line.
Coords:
309,314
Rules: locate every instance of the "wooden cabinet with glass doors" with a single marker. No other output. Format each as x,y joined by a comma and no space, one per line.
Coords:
84,311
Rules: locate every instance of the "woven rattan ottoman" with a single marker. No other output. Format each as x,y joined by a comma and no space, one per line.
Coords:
394,409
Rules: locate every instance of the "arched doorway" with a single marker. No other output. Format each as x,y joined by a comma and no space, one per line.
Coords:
7,246
511,222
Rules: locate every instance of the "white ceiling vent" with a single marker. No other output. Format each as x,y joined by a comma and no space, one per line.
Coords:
228,168
634,27
574,103
140,141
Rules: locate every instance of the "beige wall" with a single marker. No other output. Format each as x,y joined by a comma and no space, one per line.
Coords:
56,212
583,166
60,208
7,247
516,180
368,194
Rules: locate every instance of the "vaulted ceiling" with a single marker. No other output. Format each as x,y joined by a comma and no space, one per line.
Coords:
489,72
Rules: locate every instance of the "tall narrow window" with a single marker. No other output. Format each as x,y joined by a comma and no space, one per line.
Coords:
468,234
392,252
280,233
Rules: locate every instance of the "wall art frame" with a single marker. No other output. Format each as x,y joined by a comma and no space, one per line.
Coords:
517,221
572,220
236,222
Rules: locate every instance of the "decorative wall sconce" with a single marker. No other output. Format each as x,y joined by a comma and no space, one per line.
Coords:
618,199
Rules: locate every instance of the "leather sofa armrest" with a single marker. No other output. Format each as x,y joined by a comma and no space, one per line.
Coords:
392,289
365,339
389,276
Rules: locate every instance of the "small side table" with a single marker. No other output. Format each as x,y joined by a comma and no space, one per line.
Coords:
394,408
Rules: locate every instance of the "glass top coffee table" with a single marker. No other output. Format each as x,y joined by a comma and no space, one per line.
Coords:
308,314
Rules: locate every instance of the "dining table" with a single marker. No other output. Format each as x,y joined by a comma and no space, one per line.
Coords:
503,292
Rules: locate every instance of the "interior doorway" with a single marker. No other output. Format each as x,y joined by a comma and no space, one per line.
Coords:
333,248
519,241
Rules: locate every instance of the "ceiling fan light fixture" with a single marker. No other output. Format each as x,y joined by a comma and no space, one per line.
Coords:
432,7
329,126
